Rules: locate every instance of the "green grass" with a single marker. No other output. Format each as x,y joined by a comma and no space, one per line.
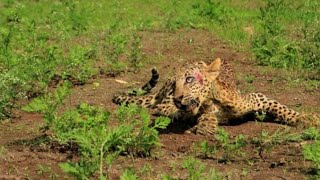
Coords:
41,40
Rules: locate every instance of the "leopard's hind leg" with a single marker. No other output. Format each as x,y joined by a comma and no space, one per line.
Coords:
259,102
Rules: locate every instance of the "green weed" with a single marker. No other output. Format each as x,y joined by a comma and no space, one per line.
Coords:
215,11
270,46
311,152
206,149
128,174
196,170
230,147
194,167
265,141
136,56
311,134
49,104
11,88
100,144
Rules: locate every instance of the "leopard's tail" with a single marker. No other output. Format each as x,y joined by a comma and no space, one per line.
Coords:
145,89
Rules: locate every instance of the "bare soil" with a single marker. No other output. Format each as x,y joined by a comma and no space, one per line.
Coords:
26,155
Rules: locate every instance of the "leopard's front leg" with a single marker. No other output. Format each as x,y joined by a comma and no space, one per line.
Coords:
168,110
207,125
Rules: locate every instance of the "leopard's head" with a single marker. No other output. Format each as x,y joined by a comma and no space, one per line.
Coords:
193,85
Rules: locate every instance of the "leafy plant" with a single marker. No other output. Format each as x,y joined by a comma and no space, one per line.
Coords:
265,141
228,146
99,142
206,149
311,152
80,64
311,133
49,104
136,56
270,47
128,174
194,167
214,11
11,88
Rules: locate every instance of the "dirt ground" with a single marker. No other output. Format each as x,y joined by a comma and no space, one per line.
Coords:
25,155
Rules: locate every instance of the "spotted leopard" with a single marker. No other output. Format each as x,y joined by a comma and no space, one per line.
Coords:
209,93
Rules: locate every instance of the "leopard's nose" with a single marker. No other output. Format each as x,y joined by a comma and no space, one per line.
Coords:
178,99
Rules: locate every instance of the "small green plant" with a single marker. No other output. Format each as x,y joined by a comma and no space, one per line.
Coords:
136,57
80,64
128,174
230,147
115,46
269,47
5,49
265,141
100,143
311,133
249,78
194,167
311,152
206,150
49,104
77,16
11,88
215,11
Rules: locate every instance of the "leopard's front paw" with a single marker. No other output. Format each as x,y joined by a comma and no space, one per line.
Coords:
201,130
205,131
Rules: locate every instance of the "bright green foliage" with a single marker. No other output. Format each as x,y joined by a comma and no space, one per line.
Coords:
275,46
100,143
136,55
269,46
312,152
206,149
311,134
215,11
128,174
265,141
230,147
11,88
196,171
194,167
49,104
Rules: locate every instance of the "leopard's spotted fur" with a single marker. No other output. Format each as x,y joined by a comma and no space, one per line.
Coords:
200,90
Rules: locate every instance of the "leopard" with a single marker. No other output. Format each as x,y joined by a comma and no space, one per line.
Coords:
210,94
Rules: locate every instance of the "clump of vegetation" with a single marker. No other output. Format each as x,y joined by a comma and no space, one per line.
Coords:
311,152
270,46
230,147
274,46
196,170
215,11
100,143
225,147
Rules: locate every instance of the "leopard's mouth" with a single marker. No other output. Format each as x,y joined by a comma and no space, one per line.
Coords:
189,107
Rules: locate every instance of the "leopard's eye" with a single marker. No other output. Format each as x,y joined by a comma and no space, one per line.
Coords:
189,79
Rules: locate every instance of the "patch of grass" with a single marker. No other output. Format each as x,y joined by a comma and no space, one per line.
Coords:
230,147
225,149
196,170
265,141
276,47
311,152
89,127
100,143
128,174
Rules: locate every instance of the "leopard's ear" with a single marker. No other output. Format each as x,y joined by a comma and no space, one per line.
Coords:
215,65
